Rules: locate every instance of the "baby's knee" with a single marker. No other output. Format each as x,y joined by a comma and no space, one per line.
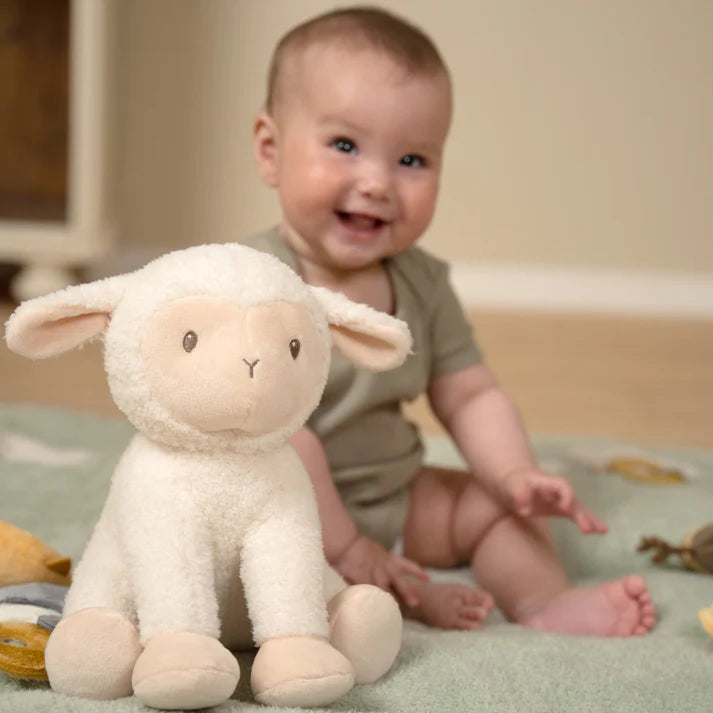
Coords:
428,533
476,514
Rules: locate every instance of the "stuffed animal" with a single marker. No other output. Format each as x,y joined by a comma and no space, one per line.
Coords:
210,538
24,558
33,584
696,550
696,553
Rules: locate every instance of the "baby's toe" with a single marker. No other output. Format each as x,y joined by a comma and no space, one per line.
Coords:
473,613
648,620
486,600
644,598
635,587
465,624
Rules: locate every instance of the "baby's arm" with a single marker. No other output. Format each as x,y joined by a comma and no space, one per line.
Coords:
486,427
358,559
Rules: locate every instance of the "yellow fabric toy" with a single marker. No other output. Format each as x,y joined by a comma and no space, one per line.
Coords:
25,560
706,617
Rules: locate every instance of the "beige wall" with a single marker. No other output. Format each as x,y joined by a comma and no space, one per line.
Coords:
583,132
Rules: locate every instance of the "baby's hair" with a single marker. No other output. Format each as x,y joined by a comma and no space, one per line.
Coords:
358,27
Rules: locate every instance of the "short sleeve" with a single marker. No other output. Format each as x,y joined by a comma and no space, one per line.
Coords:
453,345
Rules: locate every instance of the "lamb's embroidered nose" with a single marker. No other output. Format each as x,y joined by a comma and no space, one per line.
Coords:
251,366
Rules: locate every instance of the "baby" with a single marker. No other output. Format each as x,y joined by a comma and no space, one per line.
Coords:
352,137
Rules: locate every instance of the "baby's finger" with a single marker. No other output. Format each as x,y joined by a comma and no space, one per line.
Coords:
405,591
380,577
598,526
522,499
352,575
565,497
407,566
558,492
587,522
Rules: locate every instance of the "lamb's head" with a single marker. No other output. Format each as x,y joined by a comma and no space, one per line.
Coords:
216,345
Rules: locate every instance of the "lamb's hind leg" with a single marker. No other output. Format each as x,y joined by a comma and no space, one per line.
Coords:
366,626
92,651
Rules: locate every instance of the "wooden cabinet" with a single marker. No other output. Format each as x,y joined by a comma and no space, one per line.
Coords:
55,212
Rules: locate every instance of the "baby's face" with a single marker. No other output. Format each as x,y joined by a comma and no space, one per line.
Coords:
359,144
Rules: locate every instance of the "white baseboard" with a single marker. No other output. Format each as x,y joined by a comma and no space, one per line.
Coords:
501,286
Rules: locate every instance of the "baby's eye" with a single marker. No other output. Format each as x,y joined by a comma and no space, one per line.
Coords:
345,145
413,160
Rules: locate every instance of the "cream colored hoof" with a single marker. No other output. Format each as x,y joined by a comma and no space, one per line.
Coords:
366,626
91,654
300,671
180,670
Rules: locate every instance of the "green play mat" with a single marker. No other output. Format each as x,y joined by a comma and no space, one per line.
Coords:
54,472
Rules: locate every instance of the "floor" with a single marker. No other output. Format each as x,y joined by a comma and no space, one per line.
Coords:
646,380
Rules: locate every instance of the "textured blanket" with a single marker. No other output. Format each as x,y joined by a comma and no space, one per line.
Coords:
54,473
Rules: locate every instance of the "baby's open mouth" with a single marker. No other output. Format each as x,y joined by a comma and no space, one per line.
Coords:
360,221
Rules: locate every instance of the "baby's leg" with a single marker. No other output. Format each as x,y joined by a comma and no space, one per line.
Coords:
453,520
427,540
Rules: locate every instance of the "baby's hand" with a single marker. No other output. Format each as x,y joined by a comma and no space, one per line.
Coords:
531,493
367,562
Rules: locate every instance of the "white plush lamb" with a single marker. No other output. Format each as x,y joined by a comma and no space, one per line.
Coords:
209,538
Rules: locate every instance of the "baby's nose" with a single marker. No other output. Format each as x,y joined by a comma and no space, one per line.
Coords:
251,366
375,181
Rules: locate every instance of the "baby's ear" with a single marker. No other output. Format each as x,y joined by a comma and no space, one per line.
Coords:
368,338
266,148
55,323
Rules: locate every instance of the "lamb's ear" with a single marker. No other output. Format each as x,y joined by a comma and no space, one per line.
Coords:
368,338
55,323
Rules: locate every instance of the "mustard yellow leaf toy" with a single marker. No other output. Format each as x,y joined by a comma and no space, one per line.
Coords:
645,471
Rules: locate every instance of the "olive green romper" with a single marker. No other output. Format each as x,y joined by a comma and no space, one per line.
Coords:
373,451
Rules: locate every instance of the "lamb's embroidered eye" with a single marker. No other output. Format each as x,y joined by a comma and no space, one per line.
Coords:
295,348
190,340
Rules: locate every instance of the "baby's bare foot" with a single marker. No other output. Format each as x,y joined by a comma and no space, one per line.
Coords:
450,605
622,607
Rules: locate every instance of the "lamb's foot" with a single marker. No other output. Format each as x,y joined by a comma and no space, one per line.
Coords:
181,670
366,626
302,671
91,654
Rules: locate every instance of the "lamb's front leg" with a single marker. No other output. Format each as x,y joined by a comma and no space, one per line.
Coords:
92,651
183,665
282,569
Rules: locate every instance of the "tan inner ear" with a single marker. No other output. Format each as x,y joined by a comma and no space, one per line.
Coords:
365,350
60,335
